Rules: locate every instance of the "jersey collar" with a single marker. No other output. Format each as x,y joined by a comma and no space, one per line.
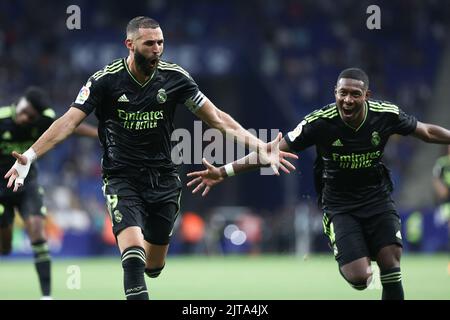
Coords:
366,112
135,80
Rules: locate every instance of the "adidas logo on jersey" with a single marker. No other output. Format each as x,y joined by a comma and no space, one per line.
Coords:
123,98
337,143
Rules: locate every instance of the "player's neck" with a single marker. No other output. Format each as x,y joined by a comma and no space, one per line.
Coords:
142,78
357,122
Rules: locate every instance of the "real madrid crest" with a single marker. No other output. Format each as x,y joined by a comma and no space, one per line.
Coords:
117,216
161,97
376,139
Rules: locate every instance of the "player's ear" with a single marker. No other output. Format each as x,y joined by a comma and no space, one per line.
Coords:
368,94
335,90
129,44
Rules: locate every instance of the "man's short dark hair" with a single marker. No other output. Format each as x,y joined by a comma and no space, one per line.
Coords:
141,22
37,98
355,73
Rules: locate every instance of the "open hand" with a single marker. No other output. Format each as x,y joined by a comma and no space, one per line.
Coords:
18,171
206,178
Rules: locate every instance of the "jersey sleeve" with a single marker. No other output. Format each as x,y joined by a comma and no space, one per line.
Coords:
91,95
189,94
303,136
404,123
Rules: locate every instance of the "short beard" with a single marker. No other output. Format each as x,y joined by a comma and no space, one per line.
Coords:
143,63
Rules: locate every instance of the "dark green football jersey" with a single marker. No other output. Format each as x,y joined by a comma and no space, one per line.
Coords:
350,176
136,120
19,138
441,171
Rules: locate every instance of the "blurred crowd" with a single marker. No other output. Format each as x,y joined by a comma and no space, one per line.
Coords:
292,51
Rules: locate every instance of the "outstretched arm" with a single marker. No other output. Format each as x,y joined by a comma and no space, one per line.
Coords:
252,161
57,132
216,118
432,133
214,175
222,121
86,130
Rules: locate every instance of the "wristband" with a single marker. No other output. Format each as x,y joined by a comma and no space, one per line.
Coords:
229,169
30,154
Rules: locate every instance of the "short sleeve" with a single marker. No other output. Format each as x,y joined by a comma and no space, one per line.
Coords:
404,124
189,93
303,136
90,96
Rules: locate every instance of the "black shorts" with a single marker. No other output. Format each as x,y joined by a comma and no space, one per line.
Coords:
353,237
151,205
28,202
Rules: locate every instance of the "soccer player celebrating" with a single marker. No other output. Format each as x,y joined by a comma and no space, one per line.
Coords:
134,100
20,125
354,186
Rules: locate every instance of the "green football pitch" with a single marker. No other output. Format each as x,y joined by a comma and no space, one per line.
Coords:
231,277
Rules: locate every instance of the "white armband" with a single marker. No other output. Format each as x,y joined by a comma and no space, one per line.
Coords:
229,169
30,154
22,170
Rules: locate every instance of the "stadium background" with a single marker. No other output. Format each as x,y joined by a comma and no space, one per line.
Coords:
267,63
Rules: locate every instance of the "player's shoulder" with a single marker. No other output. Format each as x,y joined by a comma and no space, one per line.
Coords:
109,70
325,113
101,79
172,68
383,107
49,113
317,120
6,112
